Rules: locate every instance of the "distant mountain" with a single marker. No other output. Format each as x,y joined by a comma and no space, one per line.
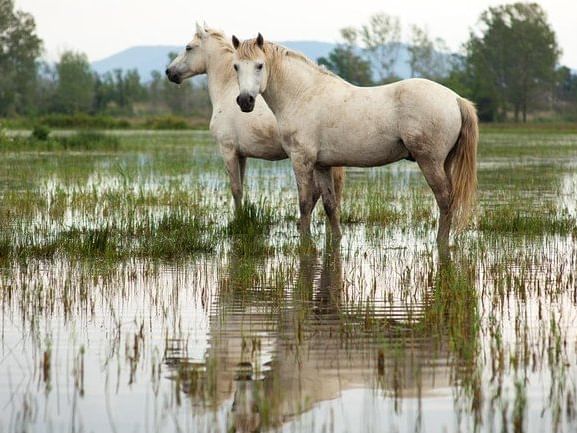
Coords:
147,59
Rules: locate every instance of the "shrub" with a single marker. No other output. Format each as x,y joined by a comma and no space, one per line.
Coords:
40,132
89,140
166,122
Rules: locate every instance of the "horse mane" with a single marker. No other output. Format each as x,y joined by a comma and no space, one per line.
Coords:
225,43
250,50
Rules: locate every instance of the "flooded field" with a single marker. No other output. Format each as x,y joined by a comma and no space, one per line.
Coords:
133,300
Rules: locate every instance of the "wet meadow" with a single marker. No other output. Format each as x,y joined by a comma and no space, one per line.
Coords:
133,299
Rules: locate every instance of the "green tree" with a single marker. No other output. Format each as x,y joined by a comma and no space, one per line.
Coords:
118,91
566,84
345,62
381,37
75,88
104,89
513,58
427,56
178,98
565,97
19,49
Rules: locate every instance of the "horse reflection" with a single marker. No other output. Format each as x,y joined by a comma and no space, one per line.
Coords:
273,360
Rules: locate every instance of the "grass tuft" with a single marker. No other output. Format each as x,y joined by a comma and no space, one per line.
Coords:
508,220
252,220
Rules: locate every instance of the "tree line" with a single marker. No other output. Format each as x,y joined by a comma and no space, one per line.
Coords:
70,86
31,87
509,66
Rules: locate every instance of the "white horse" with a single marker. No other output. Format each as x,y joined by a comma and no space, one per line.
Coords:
325,121
239,135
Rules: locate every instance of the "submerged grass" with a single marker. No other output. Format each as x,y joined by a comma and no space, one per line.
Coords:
285,327
171,236
511,220
252,220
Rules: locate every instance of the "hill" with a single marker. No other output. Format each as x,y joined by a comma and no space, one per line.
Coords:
147,59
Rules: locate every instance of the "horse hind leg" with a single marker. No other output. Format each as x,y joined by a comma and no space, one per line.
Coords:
316,194
338,174
325,180
440,182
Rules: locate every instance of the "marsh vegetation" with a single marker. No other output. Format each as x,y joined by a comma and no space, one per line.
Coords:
133,299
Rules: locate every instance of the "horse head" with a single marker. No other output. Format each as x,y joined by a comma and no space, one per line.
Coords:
251,71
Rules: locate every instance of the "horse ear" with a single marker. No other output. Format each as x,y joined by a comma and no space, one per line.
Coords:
235,42
199,30
260,41
205,25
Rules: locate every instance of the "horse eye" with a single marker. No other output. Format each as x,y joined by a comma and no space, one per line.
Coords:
188,48
259,66
236,67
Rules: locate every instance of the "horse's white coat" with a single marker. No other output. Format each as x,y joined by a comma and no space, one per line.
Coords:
325,121
239,135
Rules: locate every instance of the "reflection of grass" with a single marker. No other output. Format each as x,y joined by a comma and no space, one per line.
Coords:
453,310
380,307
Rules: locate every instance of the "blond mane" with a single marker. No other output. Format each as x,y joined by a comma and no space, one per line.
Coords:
225,43
276,53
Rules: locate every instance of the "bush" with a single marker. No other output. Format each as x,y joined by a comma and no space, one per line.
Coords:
83,121
40,132
89,140
83,140
166,122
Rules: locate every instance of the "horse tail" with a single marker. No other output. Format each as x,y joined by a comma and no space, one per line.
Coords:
463,165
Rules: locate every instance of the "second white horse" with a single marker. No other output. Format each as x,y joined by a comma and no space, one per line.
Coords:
239,135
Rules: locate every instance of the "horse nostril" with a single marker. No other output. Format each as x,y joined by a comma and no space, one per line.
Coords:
238,99
251,99
167,72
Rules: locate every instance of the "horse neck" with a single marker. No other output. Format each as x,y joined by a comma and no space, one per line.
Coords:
289,79
220,74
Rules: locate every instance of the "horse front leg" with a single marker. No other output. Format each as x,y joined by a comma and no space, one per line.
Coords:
304,175
233,168
242,167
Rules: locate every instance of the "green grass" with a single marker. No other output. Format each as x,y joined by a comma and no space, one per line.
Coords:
89,140
553,127
252,220
171,236
537,222
42,140
137,247
103,121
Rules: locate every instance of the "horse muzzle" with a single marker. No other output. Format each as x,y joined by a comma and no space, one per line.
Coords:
245,102
173,76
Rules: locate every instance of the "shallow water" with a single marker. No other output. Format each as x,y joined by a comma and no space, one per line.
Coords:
262,333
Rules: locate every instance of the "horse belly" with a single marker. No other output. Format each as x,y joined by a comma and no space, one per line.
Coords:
357,152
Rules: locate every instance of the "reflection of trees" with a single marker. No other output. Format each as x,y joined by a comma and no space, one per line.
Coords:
278,357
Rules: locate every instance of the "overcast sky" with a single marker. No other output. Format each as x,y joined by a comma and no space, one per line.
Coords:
103,27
